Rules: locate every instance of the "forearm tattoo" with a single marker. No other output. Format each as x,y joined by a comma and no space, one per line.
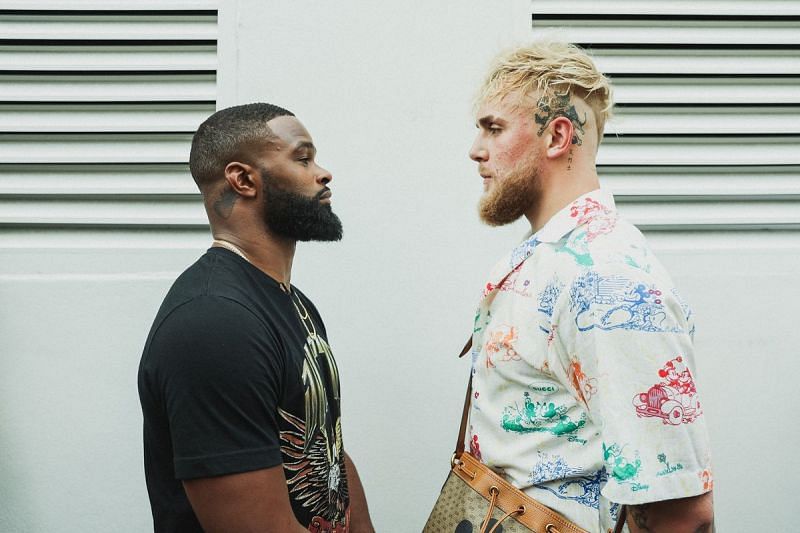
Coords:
638,514
559,106
223,205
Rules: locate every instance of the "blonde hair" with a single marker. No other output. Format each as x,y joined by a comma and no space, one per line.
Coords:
547,69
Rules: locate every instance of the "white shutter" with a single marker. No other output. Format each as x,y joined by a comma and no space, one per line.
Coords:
97,110
707,132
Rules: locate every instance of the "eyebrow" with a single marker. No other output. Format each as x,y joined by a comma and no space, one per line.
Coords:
308,145
485,121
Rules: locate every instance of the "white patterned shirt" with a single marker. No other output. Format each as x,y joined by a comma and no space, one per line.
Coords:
583,371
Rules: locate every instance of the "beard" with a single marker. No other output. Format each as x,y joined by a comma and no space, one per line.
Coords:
512,197
298,217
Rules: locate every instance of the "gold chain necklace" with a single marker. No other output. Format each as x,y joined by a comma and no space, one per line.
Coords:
305,318
303,315
231,248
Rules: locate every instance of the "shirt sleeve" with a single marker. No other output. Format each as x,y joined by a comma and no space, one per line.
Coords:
632,339
219,371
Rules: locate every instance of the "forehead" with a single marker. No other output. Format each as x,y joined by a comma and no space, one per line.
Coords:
288,132
508,109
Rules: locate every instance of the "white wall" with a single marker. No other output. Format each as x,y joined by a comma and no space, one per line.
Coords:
385,90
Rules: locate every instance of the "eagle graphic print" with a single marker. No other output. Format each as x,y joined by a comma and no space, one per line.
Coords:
313,454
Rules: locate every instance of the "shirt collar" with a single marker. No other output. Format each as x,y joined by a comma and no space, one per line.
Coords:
578,212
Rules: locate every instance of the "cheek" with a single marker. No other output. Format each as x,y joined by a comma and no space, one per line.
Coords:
519,146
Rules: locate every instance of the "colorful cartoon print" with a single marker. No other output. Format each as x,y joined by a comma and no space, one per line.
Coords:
614,511
577,245
476,327
547,302
640,259
545,417
512,283
687,311
615,302
577,486
674,399
508,283
622,469
476,348
522,252
551,335
501,343
585,386
668,468
599,219
474,447
707,479
549,296
630,261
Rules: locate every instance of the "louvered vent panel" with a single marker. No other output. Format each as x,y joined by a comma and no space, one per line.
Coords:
97,110
707,132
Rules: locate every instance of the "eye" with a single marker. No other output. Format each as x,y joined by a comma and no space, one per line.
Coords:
305,161
494,129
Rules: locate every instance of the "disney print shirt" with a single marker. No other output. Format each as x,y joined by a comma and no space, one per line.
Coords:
583,371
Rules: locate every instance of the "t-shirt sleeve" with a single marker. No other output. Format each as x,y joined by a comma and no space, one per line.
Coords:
633,341
219,373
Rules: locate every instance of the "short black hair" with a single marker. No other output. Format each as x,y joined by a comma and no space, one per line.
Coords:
222,137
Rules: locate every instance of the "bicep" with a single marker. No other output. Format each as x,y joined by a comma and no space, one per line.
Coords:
256,501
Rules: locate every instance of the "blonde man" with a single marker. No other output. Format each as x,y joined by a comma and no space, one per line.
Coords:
583,364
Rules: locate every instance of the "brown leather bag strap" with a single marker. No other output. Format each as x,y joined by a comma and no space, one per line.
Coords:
462,432
623,511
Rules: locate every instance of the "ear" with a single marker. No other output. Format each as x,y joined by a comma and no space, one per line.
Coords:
240,177
560,132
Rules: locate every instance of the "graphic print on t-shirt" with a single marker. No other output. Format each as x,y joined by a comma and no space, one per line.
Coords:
312,449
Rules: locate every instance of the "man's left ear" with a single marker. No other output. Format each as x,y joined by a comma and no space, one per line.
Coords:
561,132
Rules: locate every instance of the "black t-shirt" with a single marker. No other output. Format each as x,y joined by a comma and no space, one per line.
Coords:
236,376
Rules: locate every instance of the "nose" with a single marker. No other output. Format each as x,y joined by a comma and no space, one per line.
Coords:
324,177
477,151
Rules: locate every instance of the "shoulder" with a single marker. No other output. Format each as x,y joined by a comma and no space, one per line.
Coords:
214,280
210,339
208,328
621,278
197,312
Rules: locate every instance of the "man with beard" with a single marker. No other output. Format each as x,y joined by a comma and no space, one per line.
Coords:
239,389
579,328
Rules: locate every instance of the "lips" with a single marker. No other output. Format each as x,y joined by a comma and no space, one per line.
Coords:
324,194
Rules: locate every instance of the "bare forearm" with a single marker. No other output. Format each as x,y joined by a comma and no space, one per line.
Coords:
690,515
359,512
